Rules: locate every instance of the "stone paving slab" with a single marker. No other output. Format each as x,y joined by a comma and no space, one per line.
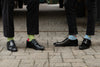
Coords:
9,63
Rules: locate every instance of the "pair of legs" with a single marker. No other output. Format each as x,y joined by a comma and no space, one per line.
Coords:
70,8
32,18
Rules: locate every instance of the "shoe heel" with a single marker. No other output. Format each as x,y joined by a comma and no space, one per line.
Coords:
76,44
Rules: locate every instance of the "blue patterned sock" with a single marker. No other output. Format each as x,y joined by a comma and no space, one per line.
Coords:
72,37
87,37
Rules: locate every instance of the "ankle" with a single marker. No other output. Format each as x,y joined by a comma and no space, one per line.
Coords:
30,38
10,38
72,37
87,37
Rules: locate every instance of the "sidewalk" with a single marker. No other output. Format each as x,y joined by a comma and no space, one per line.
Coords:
53,27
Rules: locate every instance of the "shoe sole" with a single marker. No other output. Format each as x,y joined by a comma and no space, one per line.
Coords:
35,49
65,45
12,50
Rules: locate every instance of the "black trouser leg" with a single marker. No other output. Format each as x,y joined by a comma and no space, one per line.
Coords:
81,8
7,14
91,7
0,8
61,3
33,17
71,16
20,3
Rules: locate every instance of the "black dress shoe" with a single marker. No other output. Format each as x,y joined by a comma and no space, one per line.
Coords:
34,44
85,44
66,42
11,46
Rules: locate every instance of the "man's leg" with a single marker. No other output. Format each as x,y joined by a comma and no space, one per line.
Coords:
20,3
33,24
71,16
61,3
7,14
33,17
0,8
91,8
71,19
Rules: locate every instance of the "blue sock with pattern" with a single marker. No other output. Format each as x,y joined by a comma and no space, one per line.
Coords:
72,37
87,37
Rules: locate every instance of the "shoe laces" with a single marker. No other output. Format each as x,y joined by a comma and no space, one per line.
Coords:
34,41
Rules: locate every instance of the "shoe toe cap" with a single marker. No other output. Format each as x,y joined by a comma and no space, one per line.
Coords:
55,44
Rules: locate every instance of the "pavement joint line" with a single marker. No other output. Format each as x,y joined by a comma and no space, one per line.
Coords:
73,53
85,62
61,57
19,62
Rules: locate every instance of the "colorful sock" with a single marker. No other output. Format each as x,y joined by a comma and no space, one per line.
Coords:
72,37
87,37
30,37
11,38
